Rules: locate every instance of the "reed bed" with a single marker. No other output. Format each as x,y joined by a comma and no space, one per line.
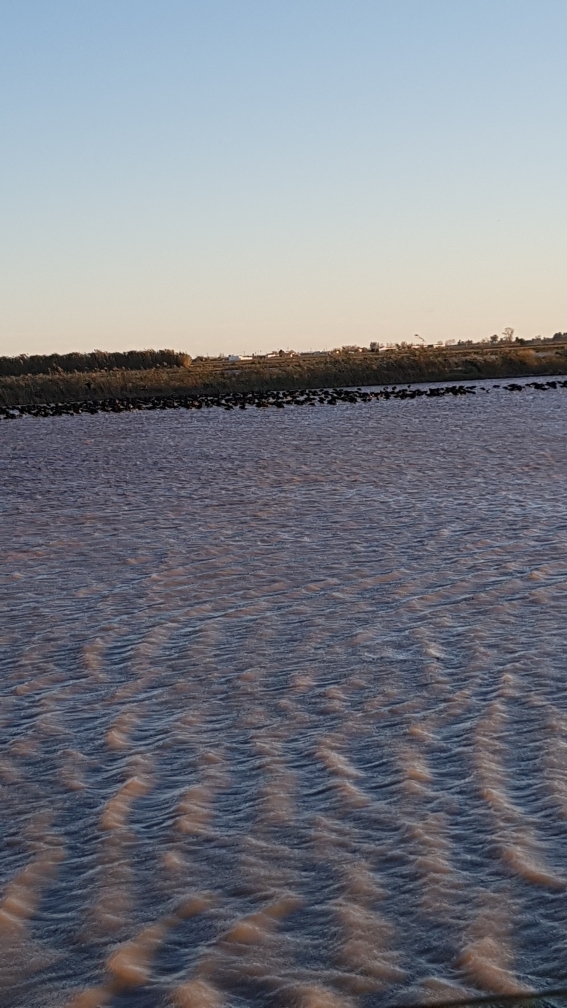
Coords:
286,373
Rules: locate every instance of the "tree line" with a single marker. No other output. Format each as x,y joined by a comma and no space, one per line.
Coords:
98,360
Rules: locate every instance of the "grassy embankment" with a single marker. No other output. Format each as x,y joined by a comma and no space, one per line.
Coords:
393,367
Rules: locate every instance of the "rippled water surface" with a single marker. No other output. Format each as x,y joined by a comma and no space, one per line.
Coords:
283,705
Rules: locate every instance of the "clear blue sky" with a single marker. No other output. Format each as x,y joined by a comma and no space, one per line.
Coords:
243,175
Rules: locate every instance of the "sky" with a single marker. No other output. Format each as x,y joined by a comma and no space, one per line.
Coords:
236,176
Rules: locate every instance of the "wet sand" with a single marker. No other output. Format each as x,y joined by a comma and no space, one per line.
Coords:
282,703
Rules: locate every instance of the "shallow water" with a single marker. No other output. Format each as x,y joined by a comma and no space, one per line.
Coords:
282,705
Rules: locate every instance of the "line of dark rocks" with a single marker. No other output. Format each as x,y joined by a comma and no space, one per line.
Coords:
260,400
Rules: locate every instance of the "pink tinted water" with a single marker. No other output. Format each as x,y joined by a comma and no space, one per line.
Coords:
283,705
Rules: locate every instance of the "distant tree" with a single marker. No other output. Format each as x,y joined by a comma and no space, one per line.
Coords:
508,333
494,339
98,360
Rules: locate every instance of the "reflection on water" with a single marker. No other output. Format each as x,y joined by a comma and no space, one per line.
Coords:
282,705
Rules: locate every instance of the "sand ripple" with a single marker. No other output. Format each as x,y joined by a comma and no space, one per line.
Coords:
282,705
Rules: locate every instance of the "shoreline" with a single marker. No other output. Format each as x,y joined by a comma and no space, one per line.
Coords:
263,400
411,366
